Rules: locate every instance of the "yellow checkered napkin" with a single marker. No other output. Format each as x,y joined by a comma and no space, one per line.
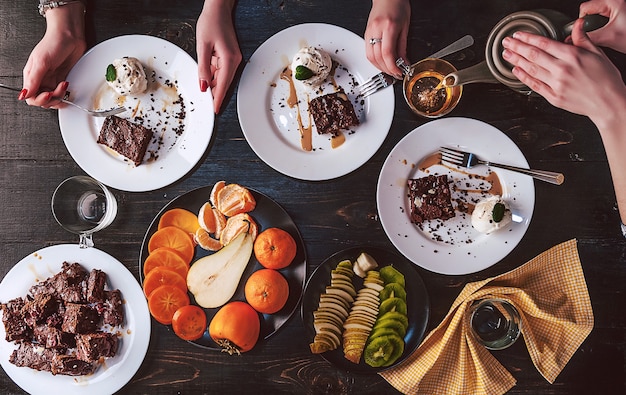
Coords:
551,296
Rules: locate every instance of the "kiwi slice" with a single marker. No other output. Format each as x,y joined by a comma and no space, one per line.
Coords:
381,331
396,316
383,350
390,323
392,290
391,275
392,304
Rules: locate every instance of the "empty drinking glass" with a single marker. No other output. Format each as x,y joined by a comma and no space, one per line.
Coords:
495,323
83,206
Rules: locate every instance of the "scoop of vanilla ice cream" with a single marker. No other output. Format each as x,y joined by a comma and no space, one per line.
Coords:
482,216
315,59
130,76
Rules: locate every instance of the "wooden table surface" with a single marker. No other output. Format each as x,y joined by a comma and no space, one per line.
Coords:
331,215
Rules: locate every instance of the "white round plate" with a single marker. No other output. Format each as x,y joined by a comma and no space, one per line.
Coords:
454,246
171,73
135,335
271,127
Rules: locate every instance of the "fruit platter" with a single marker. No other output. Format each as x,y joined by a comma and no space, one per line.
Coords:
225,274
365,309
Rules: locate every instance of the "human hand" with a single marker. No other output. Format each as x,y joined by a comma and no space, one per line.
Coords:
388,20
578,78
218,49
54,56
613,34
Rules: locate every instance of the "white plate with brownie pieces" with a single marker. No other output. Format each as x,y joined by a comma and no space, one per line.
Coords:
133,334
453,246
273,119
173,107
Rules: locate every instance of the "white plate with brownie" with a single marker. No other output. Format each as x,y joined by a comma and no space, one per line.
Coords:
317,130
170,106
133,335
447,242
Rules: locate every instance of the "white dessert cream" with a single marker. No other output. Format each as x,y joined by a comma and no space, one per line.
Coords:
316,61
127,76
491,214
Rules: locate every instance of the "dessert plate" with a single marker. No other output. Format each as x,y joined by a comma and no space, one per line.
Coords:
135,336
180,116
271,127
454,246
267,214
418,304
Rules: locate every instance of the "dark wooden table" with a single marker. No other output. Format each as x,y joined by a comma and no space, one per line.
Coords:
331,215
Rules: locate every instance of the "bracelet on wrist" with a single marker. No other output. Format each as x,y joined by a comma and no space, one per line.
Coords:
45,5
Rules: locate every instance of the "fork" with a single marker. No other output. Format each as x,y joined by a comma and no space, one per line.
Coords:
383,80
95,113
469,160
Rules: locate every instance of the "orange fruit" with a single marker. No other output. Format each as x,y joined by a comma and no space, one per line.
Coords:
206,219
215,190
176,238
236,225
164,301
162,275
168,257
267,291
234,199
274,248
204,240
180,218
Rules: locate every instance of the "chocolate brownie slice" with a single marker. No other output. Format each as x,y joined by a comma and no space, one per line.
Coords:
332,113
126,138
430,198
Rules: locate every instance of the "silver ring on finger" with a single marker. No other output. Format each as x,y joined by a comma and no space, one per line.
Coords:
375,41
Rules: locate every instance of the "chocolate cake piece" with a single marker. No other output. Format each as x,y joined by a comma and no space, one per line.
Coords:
430,198
90,347
332,113
15,326
126,138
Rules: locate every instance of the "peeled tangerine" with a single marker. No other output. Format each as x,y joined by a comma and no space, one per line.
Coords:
213,279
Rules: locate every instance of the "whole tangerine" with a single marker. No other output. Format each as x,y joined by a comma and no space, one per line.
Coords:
275,248
267,291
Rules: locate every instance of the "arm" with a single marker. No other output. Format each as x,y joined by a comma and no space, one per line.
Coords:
54,56
388,20
568,76
217,47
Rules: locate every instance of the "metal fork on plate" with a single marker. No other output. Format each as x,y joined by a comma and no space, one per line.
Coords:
383,80
95,113
469,160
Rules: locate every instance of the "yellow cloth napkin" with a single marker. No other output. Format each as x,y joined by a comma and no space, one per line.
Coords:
551,296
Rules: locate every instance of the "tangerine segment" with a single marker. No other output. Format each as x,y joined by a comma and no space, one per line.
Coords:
215,190
163,275
206,218
180,218
176,238
267,291
220,222
204,240
237,224
275,248
233,199
164,301
168,257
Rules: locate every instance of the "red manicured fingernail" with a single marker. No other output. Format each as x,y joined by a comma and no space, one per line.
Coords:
204,85
23,94
48,96
65,85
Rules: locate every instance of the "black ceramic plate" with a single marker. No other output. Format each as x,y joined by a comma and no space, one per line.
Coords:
418,304
267,214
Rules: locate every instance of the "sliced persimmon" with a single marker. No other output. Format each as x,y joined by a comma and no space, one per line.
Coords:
206,218
176,238
215,190
180,218
163,275
235,225
164,301
234,199
204,240
168,257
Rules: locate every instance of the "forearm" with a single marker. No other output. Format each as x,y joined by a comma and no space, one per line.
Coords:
218,5
67,20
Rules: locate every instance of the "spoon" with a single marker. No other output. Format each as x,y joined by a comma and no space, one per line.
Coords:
95,113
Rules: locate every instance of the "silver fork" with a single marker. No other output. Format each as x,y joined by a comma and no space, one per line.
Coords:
376,83
95,113
469,160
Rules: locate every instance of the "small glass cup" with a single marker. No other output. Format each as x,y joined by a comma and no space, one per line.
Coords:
424,90
83,206
495,323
